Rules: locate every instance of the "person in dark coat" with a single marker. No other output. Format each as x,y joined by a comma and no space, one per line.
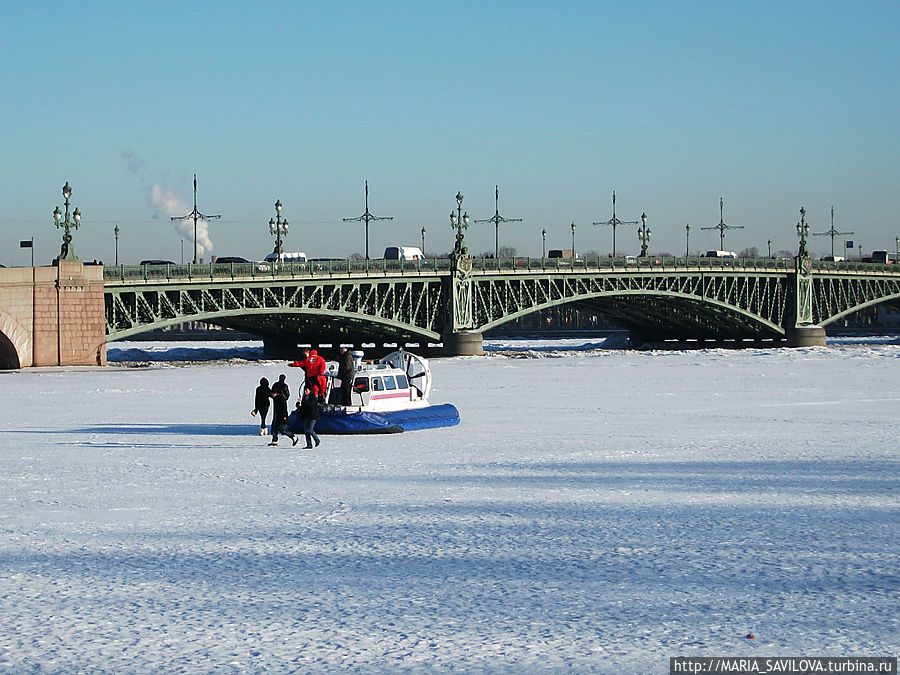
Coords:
280,415
263,394
309,413
282,387
345,374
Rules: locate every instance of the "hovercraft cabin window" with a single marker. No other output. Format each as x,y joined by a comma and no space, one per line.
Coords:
401,382
361,384
389,382
376,384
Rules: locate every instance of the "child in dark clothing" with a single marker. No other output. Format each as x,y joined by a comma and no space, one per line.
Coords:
263,393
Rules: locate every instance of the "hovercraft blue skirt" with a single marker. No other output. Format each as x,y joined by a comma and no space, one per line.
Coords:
340,422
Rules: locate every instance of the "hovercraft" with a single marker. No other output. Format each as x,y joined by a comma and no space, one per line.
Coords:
387,397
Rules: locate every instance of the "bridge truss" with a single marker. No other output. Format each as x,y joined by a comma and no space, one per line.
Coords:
676,305
412,302
316,310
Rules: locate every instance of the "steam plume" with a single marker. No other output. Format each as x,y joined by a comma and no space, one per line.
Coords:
167,202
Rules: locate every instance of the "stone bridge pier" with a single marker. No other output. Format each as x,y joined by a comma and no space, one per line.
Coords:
463,343
52,316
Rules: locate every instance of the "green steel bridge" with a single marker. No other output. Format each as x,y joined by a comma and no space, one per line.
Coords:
453,301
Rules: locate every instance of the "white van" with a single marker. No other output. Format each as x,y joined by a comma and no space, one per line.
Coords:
721,254
403,253
267,264
292,256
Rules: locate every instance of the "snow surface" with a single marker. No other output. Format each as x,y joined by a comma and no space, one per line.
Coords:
595,511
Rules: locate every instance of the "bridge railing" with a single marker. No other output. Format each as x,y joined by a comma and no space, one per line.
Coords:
626,263
264,270
853,266
325,268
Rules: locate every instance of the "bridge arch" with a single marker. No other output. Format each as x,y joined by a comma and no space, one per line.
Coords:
247,319
15,343
886,300
693,314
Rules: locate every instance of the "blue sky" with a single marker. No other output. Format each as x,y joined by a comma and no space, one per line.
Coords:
770,105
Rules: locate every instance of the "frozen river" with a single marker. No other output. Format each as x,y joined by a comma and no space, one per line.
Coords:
595,511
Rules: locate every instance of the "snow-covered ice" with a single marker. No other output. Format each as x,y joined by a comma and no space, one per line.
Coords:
595,511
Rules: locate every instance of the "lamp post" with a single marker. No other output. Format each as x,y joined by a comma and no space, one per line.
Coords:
573,240
721,227
67,251
366,218
423,241
196,216
278,228
687,240
769,244
496,219
116,232
802,233
832,232
543,242
897,249
460,221
644,235
615,222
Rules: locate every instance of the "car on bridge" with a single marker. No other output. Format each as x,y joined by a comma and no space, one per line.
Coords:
157,262
226,259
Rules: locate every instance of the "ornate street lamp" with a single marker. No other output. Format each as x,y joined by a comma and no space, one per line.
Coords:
802,233
116,232
573,240
644,235
67,251
423,241
544,242
460,221
687,240
278,228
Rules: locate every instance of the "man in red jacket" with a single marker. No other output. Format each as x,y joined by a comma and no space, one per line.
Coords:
314,367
